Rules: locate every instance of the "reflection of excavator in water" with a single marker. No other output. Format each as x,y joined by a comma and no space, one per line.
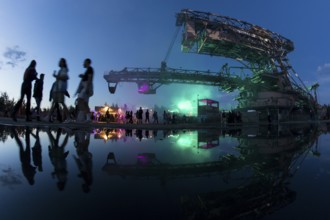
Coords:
270,85
258,176
267,190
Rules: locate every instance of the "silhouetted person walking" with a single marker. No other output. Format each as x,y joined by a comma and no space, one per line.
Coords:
84,159
85,91
29,75
59,90
37,93
107,115
155,117
25,155
58,155
147,116
37,152
139,116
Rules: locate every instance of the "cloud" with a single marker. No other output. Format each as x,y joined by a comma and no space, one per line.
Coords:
323,67
13,56
323,78
323,73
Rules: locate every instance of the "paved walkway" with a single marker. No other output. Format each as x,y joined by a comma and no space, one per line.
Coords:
160,126
194,126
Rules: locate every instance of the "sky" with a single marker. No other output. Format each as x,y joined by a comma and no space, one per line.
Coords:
137,33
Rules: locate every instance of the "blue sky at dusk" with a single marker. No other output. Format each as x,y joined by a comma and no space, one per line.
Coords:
137,33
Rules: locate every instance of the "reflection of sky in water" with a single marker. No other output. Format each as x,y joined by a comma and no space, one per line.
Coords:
9,177
169,148
311,182
134,193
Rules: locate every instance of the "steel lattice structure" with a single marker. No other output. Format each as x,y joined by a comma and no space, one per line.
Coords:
271,84
217,35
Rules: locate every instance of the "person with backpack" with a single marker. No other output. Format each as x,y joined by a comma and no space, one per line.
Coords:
37,93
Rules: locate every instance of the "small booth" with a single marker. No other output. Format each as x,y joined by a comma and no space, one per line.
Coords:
207,139
208,110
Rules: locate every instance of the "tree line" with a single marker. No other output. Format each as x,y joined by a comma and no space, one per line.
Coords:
7,105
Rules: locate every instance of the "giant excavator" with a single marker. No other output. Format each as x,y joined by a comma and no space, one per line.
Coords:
271,86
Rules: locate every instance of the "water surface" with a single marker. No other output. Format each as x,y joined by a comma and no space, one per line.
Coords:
241,173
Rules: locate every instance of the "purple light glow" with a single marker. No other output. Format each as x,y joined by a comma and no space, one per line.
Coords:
143,88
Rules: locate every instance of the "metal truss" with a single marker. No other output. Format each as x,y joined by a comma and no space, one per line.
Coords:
149,79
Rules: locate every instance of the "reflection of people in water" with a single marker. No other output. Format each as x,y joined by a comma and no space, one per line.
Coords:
138,134
25,155
36,151
128,132
84,159
57,155
155,133
146,133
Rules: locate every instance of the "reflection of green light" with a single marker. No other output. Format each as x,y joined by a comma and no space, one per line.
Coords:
185,106
187,140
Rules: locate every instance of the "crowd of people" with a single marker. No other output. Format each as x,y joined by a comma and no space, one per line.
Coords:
57,94
150,116
129,118
82,113
231,117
